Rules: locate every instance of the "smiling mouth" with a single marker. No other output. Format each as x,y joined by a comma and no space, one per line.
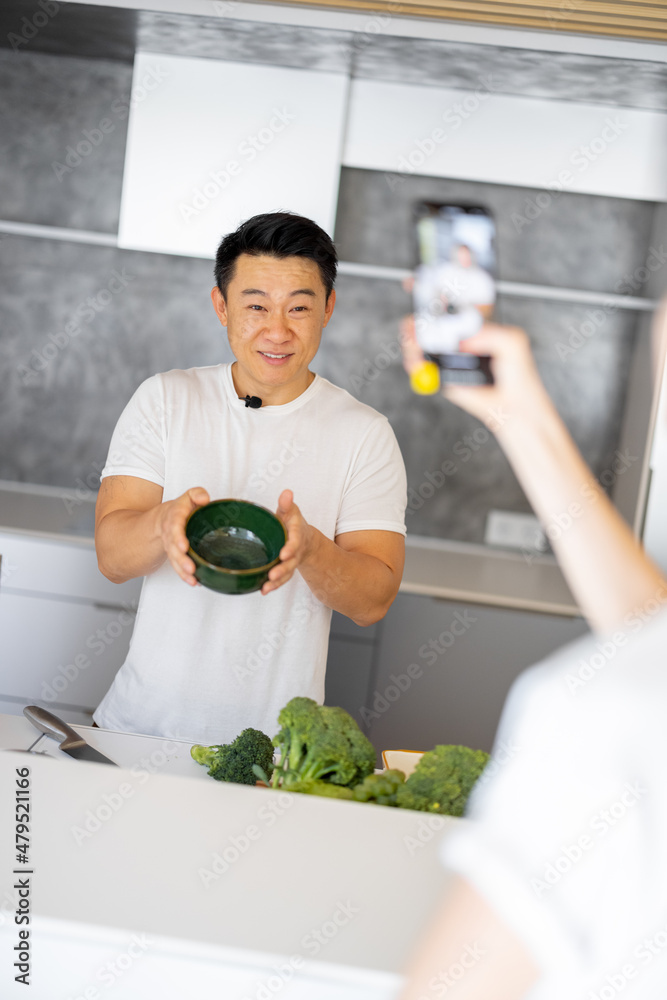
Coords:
274,357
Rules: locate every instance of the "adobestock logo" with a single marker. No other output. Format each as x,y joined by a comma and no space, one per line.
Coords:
581,158
94,137
453,117
84,313
248,149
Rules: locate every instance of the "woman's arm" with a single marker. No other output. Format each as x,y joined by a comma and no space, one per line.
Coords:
467,934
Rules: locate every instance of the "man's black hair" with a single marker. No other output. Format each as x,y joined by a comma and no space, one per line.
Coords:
277,234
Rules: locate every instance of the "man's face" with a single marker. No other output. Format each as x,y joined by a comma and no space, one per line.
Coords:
274,312
463,256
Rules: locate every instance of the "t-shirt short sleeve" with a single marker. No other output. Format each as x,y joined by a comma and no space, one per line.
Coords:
138,443
516,814
565,832
375,494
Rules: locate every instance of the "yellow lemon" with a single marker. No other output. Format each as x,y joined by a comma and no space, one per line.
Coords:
425,380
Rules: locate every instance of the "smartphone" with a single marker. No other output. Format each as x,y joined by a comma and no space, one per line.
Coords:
454,286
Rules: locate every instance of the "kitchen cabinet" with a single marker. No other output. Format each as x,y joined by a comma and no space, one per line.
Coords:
65,628
61,653
444,669
501,138
350,663
199,161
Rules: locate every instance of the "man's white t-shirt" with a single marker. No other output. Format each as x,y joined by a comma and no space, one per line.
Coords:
203,666
567,831
463,287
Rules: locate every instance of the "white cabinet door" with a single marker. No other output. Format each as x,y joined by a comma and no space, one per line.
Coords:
445,668
35,565
505,139
59,652
211,143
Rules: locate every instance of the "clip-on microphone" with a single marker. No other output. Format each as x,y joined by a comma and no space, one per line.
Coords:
253,401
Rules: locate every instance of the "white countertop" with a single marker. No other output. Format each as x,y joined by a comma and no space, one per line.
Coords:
48,511
128,750
455,571
119,851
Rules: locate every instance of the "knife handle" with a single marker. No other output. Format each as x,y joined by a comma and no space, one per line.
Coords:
51,725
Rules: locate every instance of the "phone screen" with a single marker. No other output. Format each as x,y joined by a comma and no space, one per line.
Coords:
454,285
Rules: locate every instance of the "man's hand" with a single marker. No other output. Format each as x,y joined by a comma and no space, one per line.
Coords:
135,531
296,548
357,574
413,356
173,516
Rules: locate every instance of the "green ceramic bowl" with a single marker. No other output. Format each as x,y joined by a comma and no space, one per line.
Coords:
234,544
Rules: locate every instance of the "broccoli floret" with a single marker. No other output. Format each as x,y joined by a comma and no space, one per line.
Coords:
380,788
325,788
320,743
204,755
362,751
234,761
443,780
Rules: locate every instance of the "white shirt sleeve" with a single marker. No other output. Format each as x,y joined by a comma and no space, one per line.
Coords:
375,494
566,828
520,817
138,443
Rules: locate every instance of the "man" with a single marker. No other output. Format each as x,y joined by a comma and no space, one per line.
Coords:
203,666
561,871
453,298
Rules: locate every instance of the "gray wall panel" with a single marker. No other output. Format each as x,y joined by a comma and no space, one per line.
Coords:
47,105
244,41
528,73
349,672
578,241
59,404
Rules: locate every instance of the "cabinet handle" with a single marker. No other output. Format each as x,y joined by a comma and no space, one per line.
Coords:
101,606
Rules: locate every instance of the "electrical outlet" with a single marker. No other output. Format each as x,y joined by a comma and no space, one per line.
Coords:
514,531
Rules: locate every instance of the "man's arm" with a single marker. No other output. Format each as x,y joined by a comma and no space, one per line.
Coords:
467,933
135,532
357,574
603,562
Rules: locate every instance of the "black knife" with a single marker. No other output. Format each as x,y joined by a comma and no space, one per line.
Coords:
68,739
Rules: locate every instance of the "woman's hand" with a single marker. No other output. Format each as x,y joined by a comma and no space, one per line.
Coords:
413,356
518,389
